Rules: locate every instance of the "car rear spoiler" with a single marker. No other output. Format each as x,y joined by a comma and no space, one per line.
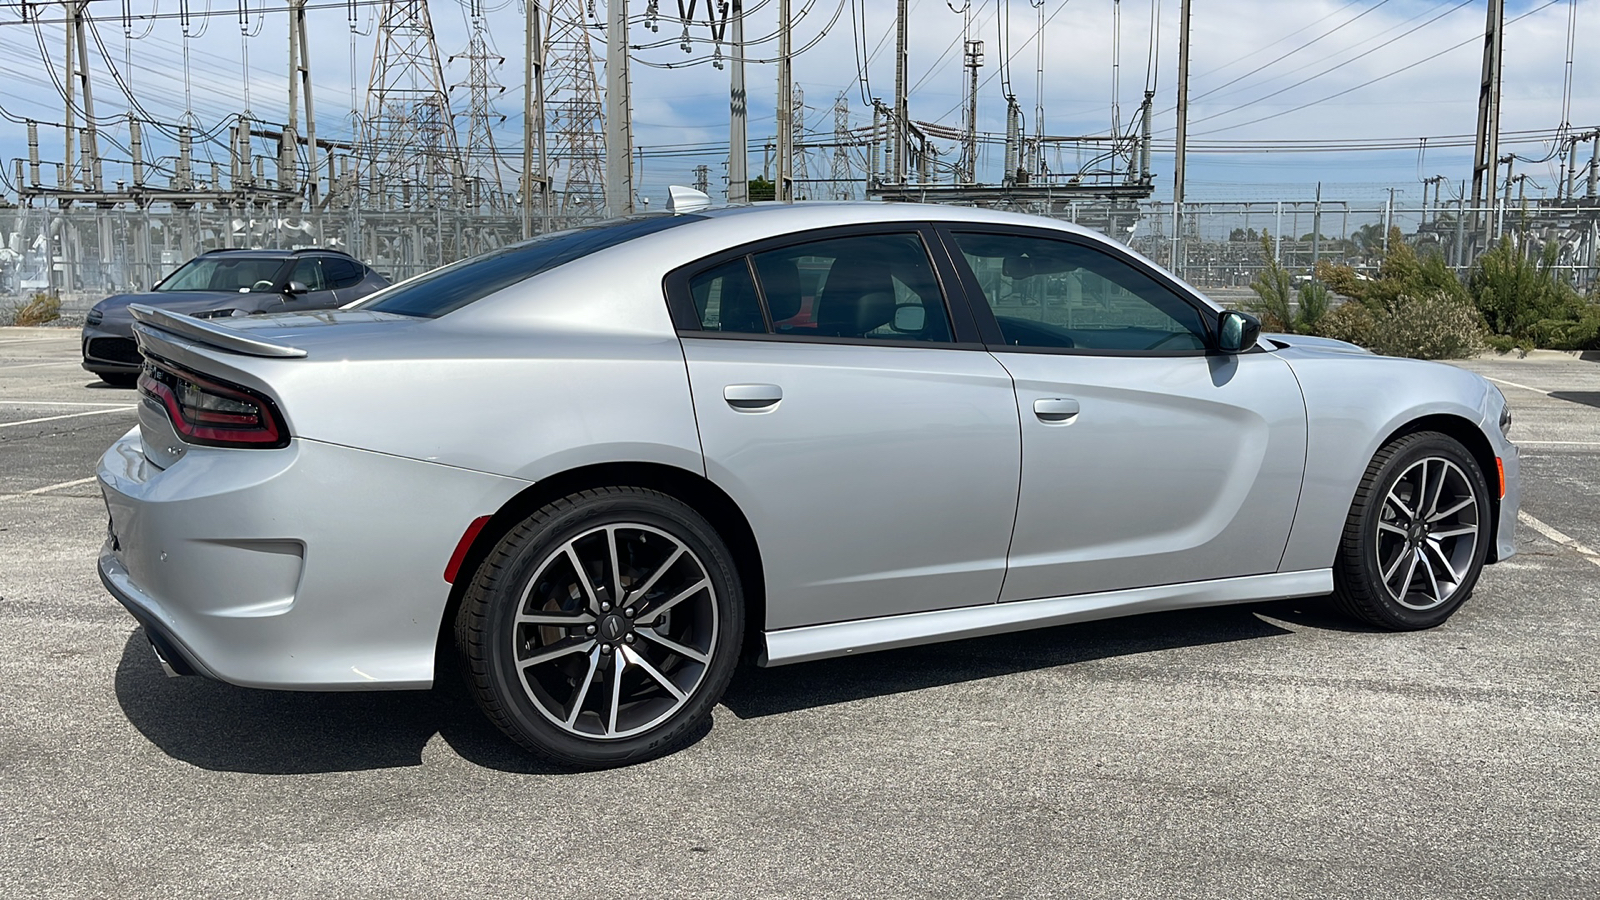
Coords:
218,336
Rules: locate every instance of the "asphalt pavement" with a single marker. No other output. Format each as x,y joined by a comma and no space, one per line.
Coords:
1268,750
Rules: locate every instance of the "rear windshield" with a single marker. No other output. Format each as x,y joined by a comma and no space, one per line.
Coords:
449,288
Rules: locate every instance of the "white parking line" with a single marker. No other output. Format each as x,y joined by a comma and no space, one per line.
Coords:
1515,385
37,366
47,488
92,412
4,402
1557,443
1564,540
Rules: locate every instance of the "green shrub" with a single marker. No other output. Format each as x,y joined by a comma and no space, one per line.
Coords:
1523,297
1274,288
40,309
1351,322
1430,326
1314,304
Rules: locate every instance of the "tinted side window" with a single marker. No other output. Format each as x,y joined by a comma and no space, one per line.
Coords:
725,297
875,286
451,287
342,273
1059,294
308,272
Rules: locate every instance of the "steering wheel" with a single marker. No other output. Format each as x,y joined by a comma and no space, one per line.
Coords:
262,285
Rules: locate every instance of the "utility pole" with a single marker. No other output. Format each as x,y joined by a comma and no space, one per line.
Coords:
533,124
902,116
1388,221
1183,136
841,159
972,55
739,112
88,168
1486,151
299,86
619,112
785,114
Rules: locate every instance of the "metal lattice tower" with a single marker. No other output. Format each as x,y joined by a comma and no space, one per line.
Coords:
841,157
800,172
572,103
409,136
480,157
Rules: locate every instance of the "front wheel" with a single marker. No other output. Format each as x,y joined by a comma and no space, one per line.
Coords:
602,629
1416,536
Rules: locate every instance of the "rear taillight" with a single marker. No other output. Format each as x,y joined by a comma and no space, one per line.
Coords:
211,412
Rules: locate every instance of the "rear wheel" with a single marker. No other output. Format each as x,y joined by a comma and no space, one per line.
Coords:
1417,534
603,628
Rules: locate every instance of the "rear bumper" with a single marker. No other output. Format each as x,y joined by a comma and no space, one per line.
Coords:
314,567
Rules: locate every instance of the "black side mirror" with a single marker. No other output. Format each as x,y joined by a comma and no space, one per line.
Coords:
296,287
1237,331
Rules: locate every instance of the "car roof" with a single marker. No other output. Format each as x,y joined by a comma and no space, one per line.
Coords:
249,253
805,214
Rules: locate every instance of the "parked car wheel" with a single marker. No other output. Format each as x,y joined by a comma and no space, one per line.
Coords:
602,629
1417,534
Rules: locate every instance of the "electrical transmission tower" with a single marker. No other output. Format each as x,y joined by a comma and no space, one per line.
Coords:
841,157
481,159
409,136
799,171
572,102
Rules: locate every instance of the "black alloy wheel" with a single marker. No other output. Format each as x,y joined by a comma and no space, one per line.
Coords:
602,629
1417,535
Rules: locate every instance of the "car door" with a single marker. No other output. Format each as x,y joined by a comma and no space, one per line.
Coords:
309,271
874,451
1148,457
345,277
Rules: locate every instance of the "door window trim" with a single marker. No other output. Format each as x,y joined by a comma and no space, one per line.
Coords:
964,329
989,326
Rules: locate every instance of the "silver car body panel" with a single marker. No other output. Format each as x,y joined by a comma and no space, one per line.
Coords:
314,567
319,565
1174,469
883,481
822,641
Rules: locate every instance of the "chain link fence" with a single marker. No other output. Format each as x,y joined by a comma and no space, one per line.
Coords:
81,255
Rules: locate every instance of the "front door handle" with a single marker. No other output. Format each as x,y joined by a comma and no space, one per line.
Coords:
1055,409
752,396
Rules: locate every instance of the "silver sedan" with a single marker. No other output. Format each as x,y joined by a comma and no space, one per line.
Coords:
599,467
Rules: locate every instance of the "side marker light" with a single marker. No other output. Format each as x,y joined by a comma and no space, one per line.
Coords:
462,546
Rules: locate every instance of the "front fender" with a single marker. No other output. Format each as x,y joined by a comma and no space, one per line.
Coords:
1353,405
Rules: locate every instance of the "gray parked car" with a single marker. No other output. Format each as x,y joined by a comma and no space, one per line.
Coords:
599,465
225,283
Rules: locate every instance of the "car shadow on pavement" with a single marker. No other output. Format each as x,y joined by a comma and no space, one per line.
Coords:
225,728
763,692
222,727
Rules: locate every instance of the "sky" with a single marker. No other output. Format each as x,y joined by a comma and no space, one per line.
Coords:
1261,70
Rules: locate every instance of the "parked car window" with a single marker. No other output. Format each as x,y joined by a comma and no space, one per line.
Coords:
224,273
725,297
451,287
341,272
308,271
1061,294
875,286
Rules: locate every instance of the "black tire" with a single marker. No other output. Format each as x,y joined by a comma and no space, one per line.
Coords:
614,668
1391,530
119,379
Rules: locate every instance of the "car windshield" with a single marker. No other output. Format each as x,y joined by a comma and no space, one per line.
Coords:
232,274
449,288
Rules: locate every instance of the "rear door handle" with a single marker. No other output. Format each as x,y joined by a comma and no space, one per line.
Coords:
752,396
1055,409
